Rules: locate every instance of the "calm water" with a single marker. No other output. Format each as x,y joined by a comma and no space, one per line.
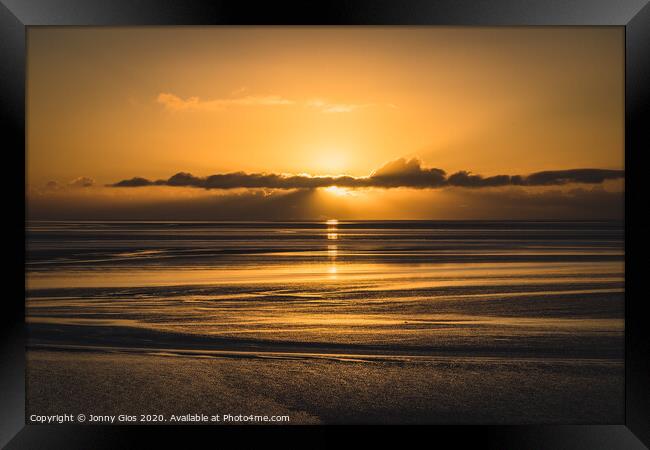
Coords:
416,289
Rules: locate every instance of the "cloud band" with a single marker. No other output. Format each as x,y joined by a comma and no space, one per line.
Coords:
395,174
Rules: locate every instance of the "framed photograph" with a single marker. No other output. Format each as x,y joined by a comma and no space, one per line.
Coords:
295,218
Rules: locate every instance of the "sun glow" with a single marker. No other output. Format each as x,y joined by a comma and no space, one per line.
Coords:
339,191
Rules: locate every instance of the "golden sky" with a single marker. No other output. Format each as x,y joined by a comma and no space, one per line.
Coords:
108,104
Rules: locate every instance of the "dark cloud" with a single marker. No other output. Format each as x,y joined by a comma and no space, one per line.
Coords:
398,173
406,173
546,178
466,179
133,182
588,176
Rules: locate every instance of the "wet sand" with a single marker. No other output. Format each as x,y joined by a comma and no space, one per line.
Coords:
328,391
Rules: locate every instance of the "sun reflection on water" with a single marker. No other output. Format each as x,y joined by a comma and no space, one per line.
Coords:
332,250
332,230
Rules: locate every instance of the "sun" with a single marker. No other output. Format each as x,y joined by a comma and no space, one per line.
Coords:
332,159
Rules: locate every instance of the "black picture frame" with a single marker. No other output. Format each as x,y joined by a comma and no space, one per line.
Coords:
17,15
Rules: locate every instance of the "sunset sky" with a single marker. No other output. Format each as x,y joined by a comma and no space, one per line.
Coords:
109,104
